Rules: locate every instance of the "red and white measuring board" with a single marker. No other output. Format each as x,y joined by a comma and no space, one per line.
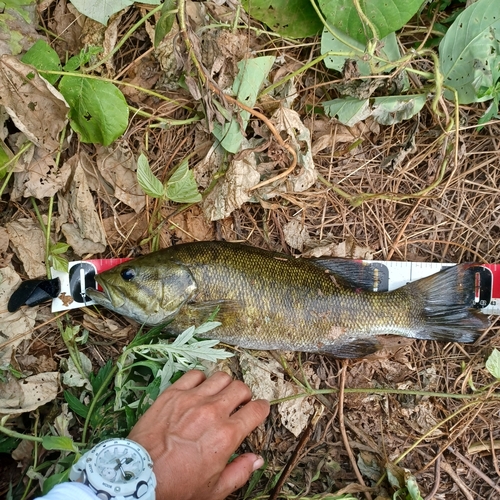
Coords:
386,276
389,275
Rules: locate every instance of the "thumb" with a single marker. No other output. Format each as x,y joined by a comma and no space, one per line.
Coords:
238,472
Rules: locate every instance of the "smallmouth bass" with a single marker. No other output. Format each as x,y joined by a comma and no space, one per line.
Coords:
269,300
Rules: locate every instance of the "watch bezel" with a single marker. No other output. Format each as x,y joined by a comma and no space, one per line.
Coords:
102,485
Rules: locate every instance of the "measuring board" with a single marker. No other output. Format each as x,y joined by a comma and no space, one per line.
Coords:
385,276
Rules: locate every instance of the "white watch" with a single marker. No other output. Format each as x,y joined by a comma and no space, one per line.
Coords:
118,469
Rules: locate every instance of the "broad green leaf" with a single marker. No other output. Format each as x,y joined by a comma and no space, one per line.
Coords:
469,53
289,18
59,263
493,363
246,86
76,405
61,443
98,110
147,180
43,57
385,16
394,109
54,479
182,187
166,21
386,110
102,10
59,248
344,47
348,111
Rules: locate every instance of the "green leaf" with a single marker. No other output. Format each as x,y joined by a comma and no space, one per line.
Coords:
53,479
61,443
349,110
166,21
5,157
59,263
43,57
345,47
8,443
182,187
493,363
59,248
147,180
101,11
251,75
469,53
385,16
99,379
76,405
82,58
394,109
290,18
98,110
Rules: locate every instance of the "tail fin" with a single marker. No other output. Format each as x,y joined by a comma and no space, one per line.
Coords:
448,305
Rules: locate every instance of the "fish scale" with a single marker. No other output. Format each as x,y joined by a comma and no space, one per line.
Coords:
267,300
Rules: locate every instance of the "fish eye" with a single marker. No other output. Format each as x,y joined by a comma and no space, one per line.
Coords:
128,274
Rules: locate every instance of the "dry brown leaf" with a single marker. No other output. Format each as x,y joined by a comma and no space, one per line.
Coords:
38,176
266,381
346,249
232,190
28,243
35,106
4,240
127,228
191,225
118,167
296,234
14,327
85,232
21,396
64,23
288,121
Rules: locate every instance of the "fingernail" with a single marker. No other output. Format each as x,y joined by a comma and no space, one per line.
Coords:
259,462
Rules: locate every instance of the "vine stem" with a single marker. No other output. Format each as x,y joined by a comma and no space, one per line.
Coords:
383,390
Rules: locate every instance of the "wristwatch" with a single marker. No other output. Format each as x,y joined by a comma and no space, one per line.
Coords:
118,469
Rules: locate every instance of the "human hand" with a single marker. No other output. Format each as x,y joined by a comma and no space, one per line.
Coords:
192,430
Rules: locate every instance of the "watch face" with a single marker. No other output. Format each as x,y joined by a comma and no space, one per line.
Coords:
119,463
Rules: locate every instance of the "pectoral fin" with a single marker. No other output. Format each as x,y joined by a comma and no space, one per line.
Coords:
225,311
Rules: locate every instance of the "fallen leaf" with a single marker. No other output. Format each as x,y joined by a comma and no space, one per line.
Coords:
118,167
191,225
287,122
130,228
233,189
296,234
266,381
14,327
28,243
85,233
21,396
346,249
36,176
36,107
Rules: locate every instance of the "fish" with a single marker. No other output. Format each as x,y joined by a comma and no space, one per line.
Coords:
268,300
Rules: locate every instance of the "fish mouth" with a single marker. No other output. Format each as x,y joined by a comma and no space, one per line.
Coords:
104,298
